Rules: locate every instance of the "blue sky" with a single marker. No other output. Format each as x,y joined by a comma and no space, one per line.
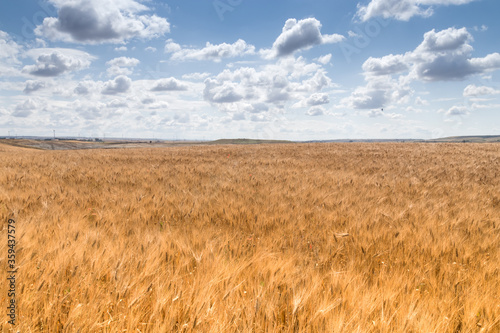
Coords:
298,70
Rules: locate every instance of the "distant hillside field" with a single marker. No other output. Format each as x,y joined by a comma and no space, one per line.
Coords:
319,237
470,139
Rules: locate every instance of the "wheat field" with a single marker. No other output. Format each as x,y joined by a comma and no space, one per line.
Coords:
323,237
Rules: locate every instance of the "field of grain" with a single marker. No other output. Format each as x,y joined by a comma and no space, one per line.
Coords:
354,237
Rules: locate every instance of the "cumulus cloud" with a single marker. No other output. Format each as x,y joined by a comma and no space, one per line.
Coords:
315,83
421,102
101,21
457,111
88,110
299,35
9,49
265,91
157,105
196,76
474,91
123,62
390,64
54,62
318,99
120,84
115,71
227,92
32,86
25,108
84,87
403,10
257,108
375,113
116,103
316,111
121,66
444,55
169,84
450,39
378,92
447,55
368,98
9,54
214,52
324,59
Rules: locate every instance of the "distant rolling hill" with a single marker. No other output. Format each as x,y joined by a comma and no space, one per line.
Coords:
245,141
472,139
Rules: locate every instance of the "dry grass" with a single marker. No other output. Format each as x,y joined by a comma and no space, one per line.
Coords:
294,238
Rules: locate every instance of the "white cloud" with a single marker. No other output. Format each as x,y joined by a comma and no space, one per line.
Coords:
257,108
316,111
158,105
318,99
183,118
457,111
116,103
299,35
210,52
259,118
366,98
442,56
9,53
246,90
482,28
324,59
89,110
378,92
169,84
150,49
85,87
266,91
415,110
9,49
123,62
114,71
120,84
473,90
171,46
101,21
389,64
121,49
351,33
121,66
227,92
421,102
393,115
485,106
403,10
54,62
446,55
239,116
315,83
375,113
450,39
196,76
25,108
32,86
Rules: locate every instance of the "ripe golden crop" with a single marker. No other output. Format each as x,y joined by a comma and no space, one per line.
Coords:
354,237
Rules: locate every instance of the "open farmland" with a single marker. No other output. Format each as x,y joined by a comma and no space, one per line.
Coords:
354,237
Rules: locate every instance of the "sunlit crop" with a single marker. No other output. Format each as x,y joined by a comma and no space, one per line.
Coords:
354,237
